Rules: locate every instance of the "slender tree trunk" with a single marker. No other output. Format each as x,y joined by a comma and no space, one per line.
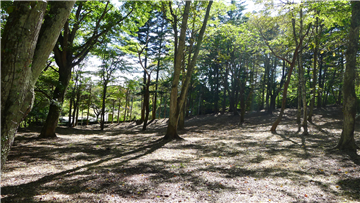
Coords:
316,50
321,86
347,141
70,123
225,89
298,114
146,103
242,103
267,77
189,100
126,103
113,112
157,78
165,106
155,95
88,109
286,85
77,115
302,78
216,105
303,95
131,105
177,106
103,107
199,103
118,116
159,113
78,98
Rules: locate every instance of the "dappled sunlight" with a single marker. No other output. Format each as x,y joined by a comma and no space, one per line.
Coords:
220,162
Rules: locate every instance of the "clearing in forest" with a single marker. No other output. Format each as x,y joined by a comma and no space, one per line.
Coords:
218,161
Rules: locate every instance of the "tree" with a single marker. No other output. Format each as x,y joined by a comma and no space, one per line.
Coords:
112,62
23,60
176,104
74,44
347,141
261,26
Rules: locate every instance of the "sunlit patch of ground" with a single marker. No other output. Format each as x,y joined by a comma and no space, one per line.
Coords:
219,161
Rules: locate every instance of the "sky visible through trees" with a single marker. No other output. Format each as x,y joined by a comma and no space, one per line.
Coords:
105,64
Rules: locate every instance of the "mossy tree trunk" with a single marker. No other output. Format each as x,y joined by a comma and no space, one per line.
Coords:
23,60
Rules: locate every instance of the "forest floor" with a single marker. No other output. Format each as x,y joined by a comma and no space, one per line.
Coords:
219,161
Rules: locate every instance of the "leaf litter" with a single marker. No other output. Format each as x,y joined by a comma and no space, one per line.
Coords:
219,161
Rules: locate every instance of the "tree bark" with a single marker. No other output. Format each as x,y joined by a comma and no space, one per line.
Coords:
146,103
171,132
347,141
23,60
66,58
286,85
118,116
70,108
225,88
321,86
48,130
126,103
177,106
316,50
103,107
88,108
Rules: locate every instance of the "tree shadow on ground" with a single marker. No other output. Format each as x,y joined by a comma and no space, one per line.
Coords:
212,165
26,192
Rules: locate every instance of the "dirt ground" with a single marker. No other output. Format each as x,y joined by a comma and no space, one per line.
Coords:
219,161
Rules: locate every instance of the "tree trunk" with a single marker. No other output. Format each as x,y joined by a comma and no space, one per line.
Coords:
103,107
267,79
347,141
298,114
316,50
118,116
63,59
113,111
48,130
131,105
182,118
216,105
71,101
321,86
286,85
171,132
225,89
157,79
126,103
303,95
165,106
189,103
175,105
88,109
146,103
159,111
77,105
23,60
